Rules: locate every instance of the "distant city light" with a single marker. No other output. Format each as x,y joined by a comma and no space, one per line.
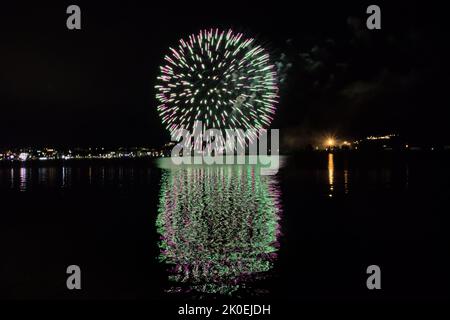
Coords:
23,156
330,142
386,137
30,154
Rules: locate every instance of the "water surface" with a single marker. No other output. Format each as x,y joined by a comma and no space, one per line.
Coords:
308,232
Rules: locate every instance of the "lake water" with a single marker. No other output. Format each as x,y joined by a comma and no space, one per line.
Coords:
309,232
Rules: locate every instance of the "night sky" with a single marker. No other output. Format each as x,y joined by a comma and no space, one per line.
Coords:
95,86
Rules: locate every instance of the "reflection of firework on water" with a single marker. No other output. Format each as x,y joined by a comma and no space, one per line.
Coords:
220,79
219,227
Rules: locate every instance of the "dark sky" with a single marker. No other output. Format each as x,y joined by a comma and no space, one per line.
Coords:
95,86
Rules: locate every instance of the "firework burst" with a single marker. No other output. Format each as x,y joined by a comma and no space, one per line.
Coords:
219,79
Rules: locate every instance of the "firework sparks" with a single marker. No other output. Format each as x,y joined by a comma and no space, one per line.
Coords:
219,79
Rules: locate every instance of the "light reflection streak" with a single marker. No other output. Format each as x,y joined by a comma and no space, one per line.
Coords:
218,226
23,179
331,173
11,172
346,181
